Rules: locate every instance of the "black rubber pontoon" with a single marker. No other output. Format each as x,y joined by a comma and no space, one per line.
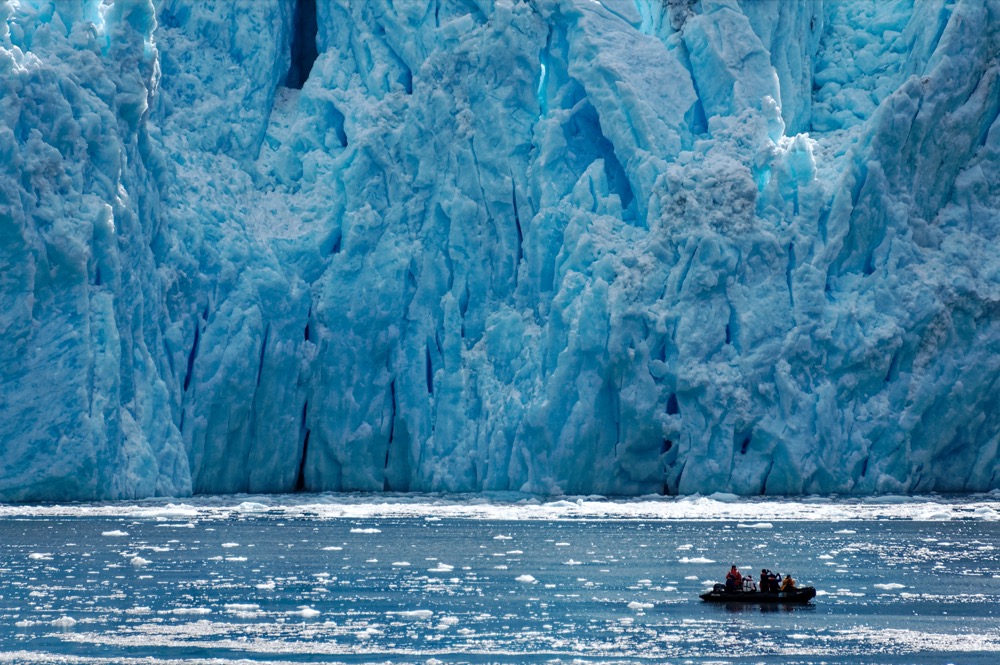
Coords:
720,595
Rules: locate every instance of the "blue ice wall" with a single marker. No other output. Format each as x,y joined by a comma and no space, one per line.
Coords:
562,246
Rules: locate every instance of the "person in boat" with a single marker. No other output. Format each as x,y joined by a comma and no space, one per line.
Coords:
772,582
734,581
788,584
749,586
764,584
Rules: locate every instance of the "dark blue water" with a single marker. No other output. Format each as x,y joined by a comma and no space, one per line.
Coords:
310,588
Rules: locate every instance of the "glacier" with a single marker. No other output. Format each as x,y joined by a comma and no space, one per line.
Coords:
614,247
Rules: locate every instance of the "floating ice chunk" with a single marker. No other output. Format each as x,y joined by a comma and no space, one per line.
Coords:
890,586
64,622
252,507
684,548
230,544
756,525
562,544
368,530
238,608
400,564
191,610
695,559
934,516
639,607
573,562
891,499
114,534
305,612
441,568
41,556
526,579
266,586
413,615
724,497
502,537
139,562
168,511
846,532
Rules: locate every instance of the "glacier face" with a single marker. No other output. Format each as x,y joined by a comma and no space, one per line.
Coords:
559,246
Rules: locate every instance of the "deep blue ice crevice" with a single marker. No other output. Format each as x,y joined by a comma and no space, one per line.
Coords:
303,52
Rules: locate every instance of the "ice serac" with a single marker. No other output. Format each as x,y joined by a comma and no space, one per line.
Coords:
84,408
564,246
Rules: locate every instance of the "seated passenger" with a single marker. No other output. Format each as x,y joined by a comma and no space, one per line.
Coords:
764,586
734,581
788,584
749,586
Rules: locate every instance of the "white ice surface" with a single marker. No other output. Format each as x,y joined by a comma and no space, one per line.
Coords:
833,510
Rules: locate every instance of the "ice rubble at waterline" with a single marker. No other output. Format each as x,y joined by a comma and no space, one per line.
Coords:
560,246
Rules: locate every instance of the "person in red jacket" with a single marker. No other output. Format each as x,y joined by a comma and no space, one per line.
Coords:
734,581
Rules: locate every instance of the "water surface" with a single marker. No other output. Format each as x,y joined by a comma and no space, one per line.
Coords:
264,580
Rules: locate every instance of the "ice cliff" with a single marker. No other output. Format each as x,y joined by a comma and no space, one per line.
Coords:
553,246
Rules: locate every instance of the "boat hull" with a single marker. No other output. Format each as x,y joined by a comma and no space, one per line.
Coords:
799,596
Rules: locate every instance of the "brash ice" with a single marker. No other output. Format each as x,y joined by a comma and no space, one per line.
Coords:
560,246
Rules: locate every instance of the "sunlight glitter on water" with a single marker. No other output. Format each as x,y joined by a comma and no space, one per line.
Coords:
322,578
